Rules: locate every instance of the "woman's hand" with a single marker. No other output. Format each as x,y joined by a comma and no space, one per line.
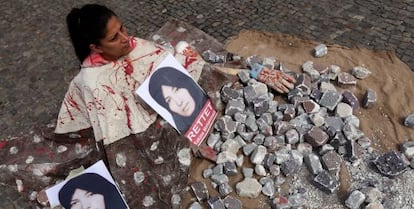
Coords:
277,80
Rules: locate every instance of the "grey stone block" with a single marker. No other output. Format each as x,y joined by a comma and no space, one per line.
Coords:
360,72
355,200
313,163
391,164
409,121
350,98
326,182
370,98
232,203
228,93
316,137
332,161
225,189
345,78
215,203
230,168
330,99
200,191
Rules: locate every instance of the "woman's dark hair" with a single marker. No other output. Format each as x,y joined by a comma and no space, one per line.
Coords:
170,76
94,183
87,25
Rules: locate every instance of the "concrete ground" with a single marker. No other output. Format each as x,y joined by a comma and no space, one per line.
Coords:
37,60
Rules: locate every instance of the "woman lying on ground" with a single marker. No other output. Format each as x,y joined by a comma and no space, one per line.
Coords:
114,64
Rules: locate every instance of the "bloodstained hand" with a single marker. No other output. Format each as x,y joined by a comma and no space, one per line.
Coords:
277,80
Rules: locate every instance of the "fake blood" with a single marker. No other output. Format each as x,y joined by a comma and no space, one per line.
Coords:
127,110
109,89
188,61
128,68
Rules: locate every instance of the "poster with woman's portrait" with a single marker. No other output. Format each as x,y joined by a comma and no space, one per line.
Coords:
175,95
92,188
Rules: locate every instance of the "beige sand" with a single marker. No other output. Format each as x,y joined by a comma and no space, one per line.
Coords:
392,80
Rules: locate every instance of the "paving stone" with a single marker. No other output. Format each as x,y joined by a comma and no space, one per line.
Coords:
351,132
258,154
268,189
353,151
225,189
303,84
334,70
249,148
219,178
330,99
226,124
290,167
343,110
374,205
352,120
230,168
355,199
308,68
310,106
320,50
230,145
200,190
195,205
215,203
232,203
350,98
332,161
249,187
313,163
316,137
247,172
218,169
372,194
360,72
408,149
409,121
260,170
228,93
370,98
326,182
336,123
327,86
390,164
233,106
226,156
345,78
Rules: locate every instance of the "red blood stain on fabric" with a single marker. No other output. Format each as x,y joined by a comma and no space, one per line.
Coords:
69,112
109,89
72,102
189,61
128,111
129,69
150,69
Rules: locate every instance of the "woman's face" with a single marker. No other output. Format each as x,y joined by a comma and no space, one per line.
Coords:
84,199
179,100
116,42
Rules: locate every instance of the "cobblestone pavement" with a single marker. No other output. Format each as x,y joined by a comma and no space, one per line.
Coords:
37,61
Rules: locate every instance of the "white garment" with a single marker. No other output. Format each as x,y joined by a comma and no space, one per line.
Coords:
104,97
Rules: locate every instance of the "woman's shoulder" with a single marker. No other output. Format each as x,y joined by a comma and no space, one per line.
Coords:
88,76
145,47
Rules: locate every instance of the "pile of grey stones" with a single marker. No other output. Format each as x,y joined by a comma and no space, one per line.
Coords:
267,141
